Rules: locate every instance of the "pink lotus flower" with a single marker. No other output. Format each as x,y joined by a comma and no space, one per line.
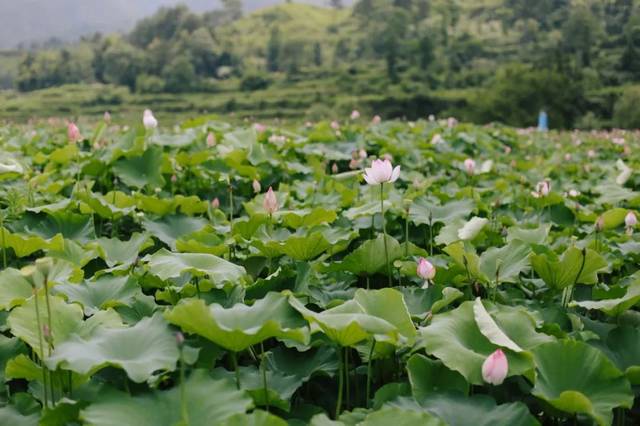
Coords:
567,157
376,119
425,269
106,117
211,139
354,164
334,168
507,150
469,165
73,133
599,225
573,193
495,368
174,178
436,139
256,186
355,114
381,172
148,120
591,153
542,189
270,202
215,203
362,154
335,125
259,127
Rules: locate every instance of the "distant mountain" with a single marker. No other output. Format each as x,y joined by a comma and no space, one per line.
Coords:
26,21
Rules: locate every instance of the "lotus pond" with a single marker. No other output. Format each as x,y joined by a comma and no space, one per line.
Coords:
150,277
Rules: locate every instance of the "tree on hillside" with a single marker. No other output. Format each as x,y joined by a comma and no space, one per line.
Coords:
317,54
122,63
274,45
336,4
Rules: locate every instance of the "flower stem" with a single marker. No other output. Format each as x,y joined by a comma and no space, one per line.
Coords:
340,382
183,391
4,247
384,233
369,365
234,361
263,367
41,344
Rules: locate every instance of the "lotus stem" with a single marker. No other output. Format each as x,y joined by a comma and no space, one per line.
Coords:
346,377
183,390
406,233
234,361
340,382
49,323
263,367
41,344
430,233
384,233
369,365
4,247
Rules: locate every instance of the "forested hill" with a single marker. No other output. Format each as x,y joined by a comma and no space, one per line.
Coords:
485,59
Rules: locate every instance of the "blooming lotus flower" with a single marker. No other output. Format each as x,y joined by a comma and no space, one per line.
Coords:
425,269
73,133
591,153
630,222
335,125
469,165
431,118
149,120
270,202
376,119
542,189
256,186
573,193
436,139
381,172
259,127
355,114
215,203
106,117
495,368
211,139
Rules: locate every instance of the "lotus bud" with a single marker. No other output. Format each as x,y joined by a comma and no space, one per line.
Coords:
334,168
376,119
354,164
469,165
335,125
174,178
355,114
362,154
157,190
179,338
630,222
495,368
425,269
259,127
73,133
573,193
29,273
215,203
591,153
211,139
507,149
106,117
431,118
46,333
270,202
599,223
436,139
256,186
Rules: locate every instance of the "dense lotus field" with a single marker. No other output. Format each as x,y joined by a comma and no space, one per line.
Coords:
345,273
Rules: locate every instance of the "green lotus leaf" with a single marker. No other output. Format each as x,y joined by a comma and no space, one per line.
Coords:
10,347
165,264
613,218
72,226
469,348
428,376
569,269
303,365
15,288
170,228
617,305
207,401
505,263
280,387
25,245
101,205
356,320
306,218
74,253
102,293
370,258
206,240
422,209
141,171
11,416
622,346
256,418
579,379
458,410
116,252
465,255
529,235
140,350
400,417
241,326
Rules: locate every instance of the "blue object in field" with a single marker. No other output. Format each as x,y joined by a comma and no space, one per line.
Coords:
543,122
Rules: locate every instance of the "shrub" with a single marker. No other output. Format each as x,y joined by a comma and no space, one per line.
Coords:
254,82
626,112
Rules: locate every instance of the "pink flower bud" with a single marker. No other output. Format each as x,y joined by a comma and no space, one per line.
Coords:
599,223
425,269
630,220
469,165
174,178
362,154
73,133
215,203
256,186
148,120
334,168
495,368
270,202
335,125
107,117
376,119
179,338
259,127
591,153
507,149
211,139
355,114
